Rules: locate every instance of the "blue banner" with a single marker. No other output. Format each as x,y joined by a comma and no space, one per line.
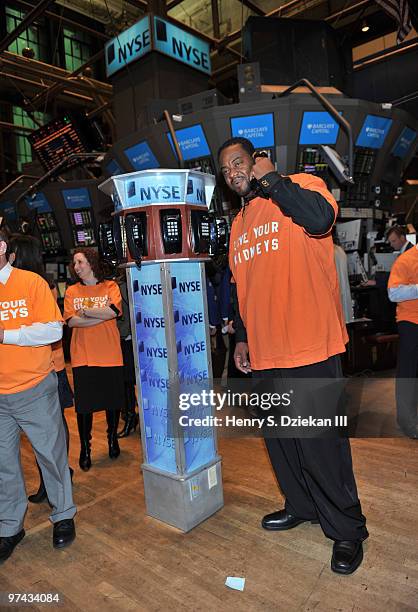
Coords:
153,365
181,46
76,198
192,357
318,128
258,129
374,132
113,168
404,142
38,202
128,46
8,210
192,142
155,188
141,156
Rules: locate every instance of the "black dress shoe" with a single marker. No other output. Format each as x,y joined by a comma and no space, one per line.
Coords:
40,496
8,544
63,533
282,520
347,555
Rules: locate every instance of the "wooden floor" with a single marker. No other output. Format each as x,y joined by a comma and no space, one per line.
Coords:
124,560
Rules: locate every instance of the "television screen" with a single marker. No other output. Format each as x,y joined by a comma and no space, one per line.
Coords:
192,142
57,140
113,168
141,156
374,132
38,202
258,129
404,142
8,210
318,128
76,198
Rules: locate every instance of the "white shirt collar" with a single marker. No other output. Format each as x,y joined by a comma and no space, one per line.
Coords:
5,273
404,247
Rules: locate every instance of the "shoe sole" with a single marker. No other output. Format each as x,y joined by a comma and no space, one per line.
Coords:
64,544
314,522
349,571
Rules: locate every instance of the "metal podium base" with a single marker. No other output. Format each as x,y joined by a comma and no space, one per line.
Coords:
183,502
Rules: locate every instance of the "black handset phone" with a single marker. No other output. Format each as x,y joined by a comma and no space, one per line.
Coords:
136,235
201,231
171,230
256,186
107,249
222,236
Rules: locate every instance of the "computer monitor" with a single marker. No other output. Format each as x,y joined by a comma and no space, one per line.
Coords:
385,261
349,235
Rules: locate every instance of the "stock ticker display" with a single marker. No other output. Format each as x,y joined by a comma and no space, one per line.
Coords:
57,140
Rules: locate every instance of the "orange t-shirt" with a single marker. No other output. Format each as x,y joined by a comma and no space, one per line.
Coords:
287,285
25,299
57,351
405,272
98,345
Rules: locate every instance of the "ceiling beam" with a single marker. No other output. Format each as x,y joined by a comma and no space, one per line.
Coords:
173,4
215,19
253,7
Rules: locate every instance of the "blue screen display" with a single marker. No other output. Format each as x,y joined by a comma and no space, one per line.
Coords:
8,210
181,46
374,132
76,198
38,202
258,129
404,142
141,156
192,142
128,46
318,128
113,168
154,188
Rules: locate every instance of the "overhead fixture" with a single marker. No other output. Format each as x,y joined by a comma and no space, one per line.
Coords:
365,26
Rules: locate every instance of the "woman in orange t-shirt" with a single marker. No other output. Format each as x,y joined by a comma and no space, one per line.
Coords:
26,254
90,309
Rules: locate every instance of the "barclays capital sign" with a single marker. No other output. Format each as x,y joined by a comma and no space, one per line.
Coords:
165,37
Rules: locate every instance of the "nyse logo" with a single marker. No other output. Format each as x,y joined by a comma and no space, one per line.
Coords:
156,351
189,286
189,319
128,46
154,322
154,289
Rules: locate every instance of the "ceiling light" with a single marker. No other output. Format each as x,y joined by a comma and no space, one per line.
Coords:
365,26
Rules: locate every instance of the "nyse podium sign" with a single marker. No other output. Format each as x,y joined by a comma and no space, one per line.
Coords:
181,469
155,34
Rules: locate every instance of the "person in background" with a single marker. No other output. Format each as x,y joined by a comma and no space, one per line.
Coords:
341,264
129,413
26,254
403,289
90,309
289,325
396,237
30,321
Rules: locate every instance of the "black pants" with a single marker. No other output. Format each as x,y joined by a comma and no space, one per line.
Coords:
406,376
316,475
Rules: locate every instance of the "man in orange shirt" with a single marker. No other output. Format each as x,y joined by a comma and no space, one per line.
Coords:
290,324
403,289
29,322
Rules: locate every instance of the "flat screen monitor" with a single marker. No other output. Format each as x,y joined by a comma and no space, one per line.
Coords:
57,140
318,128
404,142
192,142
8,211
141,156
38,202
373,132
113,168
258,129
76,198
349,234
